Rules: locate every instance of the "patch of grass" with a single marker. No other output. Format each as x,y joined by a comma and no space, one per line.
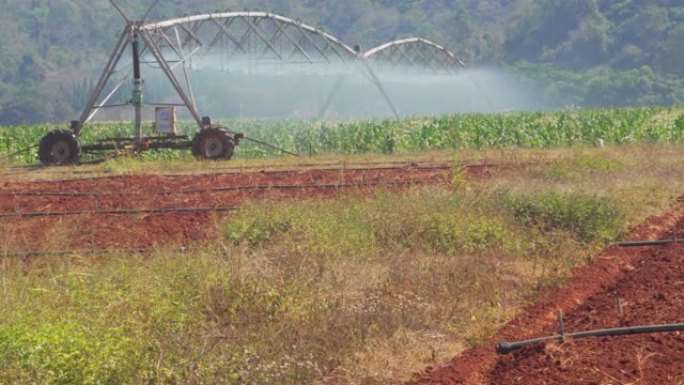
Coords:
67,353
587,218
583,162
435,221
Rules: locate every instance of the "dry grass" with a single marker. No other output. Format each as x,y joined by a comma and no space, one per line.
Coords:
360,290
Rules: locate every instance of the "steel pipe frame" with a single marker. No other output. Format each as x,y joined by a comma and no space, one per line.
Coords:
148,32
252,23
444,57
154,144
109,69
253,20
249,15
155,38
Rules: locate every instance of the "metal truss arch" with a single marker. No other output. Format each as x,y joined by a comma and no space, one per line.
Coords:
415,52
263,39
249,35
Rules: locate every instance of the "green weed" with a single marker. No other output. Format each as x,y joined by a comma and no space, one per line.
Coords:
587,218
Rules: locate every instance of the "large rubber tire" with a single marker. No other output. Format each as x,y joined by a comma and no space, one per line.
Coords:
212,144
59,147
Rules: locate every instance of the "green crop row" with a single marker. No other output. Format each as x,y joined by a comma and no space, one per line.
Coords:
461,131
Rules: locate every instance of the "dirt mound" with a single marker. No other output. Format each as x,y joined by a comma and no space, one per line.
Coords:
649,283
142,211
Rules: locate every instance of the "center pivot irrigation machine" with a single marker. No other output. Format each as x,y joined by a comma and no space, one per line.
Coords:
256,36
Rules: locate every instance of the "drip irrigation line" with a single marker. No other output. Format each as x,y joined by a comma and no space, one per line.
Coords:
650,243
327,169
51,170
34,214
309,166
210,190
508,347
84,252
266,172
20,170
56,169
62,253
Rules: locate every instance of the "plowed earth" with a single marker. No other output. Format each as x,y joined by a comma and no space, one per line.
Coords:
142,211
649,283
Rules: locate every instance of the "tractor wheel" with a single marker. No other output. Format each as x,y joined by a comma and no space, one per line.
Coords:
59,147
212,144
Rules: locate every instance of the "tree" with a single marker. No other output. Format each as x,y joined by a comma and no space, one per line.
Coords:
25,107
671,55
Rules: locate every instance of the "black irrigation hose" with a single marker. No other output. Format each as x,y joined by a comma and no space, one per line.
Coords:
34,214
508,347
403,163
650,243
62,253
83,252
269,172
209,190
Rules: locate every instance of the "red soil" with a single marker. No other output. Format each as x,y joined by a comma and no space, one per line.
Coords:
86,226
649,281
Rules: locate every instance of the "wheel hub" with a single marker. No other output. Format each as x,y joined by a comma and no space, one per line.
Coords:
213,147
61,151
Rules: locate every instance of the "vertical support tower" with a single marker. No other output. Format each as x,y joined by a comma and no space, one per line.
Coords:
137,97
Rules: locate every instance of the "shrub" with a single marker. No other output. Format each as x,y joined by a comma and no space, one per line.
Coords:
587,218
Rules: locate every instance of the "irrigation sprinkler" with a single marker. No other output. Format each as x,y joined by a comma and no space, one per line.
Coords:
169,45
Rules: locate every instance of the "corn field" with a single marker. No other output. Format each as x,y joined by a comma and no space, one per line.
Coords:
414,134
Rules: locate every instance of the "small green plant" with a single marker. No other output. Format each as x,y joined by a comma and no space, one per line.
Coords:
588,218
67,353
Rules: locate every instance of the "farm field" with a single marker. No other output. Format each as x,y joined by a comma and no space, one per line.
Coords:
361,265
645,282
534,130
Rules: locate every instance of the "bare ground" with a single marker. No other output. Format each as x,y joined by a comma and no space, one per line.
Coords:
649,281
141,211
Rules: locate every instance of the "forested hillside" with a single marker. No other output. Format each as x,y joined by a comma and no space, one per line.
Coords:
585,52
